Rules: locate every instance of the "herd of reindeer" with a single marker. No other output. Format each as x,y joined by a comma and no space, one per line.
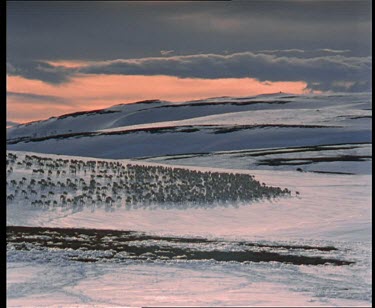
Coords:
46,182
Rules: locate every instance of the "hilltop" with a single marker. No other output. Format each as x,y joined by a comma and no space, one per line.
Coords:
156,128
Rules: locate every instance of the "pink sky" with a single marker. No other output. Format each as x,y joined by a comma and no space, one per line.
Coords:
88,92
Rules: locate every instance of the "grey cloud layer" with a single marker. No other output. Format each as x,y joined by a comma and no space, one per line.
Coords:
31,98
338,72
326,43
101,30
39,70
319,72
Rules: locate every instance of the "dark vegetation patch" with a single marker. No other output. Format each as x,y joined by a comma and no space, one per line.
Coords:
311,160
243,103
315,148
148,101
92,112
183,156
260,152
356,117
57,137
177,156
150,130
127,244
162,130
158,130
231,129
332,172
361,117
189,130
290,96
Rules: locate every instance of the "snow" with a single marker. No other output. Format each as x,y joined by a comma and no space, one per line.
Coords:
147,144
341,218
333,208
330,116
251,159
297,217
205,283
161,128
274,108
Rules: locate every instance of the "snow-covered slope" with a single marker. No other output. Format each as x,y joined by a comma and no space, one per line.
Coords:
155,128
185,250
11,124
95,239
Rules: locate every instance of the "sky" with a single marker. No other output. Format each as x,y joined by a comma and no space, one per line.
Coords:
68,56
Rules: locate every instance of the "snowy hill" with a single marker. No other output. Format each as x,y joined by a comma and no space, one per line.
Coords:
156,128
11,124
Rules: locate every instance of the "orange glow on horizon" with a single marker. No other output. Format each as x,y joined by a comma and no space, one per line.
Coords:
69,63
88,92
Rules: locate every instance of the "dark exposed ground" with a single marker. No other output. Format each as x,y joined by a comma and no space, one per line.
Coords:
243,103
264,152
280,156
331,172
311,160
213,129
128,244
314,148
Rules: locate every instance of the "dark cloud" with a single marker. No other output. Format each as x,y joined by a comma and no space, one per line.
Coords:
323,71
325,43
101,30
39,70
343,86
